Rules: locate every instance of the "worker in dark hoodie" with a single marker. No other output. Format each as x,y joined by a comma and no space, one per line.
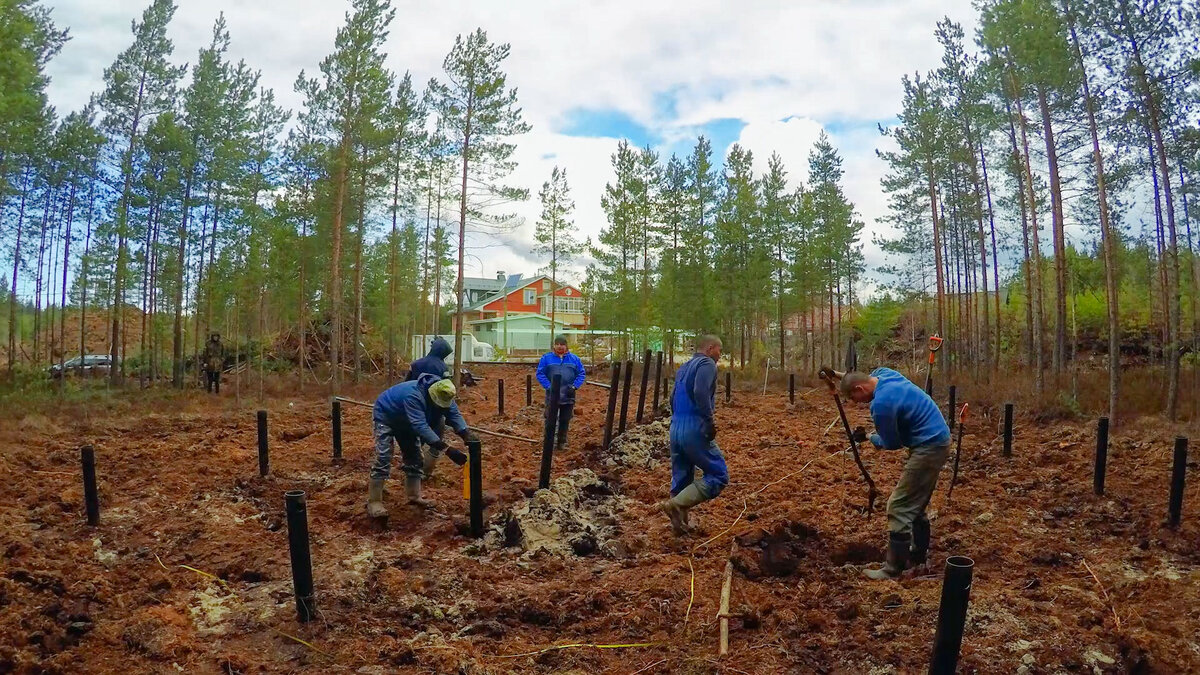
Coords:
433,363
407,414
563,363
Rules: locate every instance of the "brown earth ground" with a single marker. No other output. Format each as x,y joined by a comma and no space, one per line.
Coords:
1065,581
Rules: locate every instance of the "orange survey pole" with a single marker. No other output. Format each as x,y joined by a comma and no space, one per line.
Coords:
935,343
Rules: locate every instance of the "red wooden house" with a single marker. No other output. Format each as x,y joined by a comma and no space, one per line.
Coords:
531,296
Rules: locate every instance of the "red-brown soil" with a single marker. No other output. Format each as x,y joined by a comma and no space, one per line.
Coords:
1064,581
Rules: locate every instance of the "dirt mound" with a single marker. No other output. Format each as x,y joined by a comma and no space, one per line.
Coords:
641,447
577,515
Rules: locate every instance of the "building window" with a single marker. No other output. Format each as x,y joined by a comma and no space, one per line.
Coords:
530,296
567,305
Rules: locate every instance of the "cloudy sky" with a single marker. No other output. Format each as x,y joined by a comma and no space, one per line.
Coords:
767,74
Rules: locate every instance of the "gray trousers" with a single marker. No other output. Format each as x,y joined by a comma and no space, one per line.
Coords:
916,486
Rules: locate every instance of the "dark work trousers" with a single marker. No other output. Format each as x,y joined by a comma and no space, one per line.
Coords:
213,380
565,413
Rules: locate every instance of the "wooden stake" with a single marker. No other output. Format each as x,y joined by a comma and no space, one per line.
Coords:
724,615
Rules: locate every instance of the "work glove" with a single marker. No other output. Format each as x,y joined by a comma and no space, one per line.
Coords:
710,430
859,435
877,441
438,446
457,456
469,436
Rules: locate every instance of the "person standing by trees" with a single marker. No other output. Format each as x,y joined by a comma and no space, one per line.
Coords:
565,364
214,363
693,436
904,416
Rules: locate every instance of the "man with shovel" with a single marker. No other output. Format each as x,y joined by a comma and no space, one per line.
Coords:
408,413
904,416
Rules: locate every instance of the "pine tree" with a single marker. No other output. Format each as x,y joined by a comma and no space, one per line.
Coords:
554,232
781,239
405,137
616,249
347,98
480,115
28,40
139,86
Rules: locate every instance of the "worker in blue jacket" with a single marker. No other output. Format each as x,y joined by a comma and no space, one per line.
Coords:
561,362
904,416
693,435
433,363
408,413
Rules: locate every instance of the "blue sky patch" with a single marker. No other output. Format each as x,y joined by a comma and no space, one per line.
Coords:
606,123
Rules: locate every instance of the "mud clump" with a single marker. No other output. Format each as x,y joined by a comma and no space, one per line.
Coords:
780,549
641,447
576,516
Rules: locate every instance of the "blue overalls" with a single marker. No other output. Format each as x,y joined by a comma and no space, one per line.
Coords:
692,448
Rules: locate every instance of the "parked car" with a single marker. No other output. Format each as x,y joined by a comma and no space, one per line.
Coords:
90,365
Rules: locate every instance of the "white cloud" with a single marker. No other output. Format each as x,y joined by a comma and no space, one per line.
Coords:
833,63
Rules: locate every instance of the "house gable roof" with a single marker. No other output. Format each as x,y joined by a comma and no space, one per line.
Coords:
507,291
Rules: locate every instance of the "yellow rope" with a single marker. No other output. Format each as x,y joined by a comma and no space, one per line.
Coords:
692,598
306,644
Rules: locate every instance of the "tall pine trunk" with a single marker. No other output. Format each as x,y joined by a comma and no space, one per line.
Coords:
1060,247
181,257
1107,234
13,342
462,243
1035,250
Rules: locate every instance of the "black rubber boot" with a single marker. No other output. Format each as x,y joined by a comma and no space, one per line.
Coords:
897,557
920,541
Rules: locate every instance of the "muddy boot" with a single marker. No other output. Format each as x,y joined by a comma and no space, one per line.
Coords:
677,507
375,507
897,557
561,447
429,463
412,488
920,542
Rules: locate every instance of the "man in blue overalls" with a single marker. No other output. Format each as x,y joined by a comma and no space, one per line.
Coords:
693,435
565,364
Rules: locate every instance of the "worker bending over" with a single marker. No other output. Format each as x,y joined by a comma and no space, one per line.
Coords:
693,435
561,362
904,416
408,413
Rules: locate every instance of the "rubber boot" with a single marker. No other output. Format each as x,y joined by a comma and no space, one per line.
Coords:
677,507
920,541
375,507
412,488
561,447
428,463
897,557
